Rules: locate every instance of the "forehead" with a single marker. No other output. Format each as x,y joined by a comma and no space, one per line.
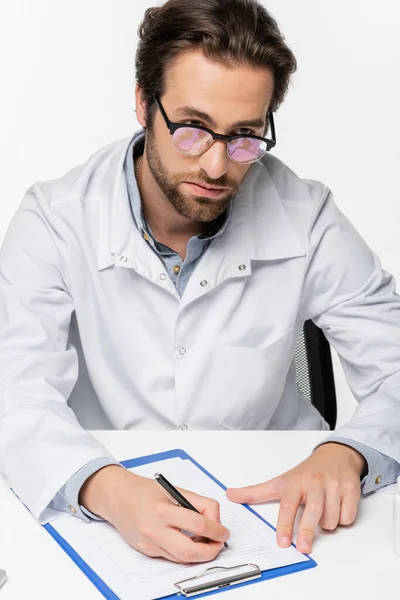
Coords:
225,92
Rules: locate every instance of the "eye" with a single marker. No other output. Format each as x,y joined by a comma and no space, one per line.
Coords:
245,131
194,123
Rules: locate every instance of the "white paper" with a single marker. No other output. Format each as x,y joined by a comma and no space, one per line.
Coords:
131,574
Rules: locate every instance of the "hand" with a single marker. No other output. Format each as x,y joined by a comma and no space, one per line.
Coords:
328,483
149,521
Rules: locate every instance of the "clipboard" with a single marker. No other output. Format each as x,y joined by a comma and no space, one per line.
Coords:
207,581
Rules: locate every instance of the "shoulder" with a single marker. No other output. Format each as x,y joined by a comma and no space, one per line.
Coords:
83,183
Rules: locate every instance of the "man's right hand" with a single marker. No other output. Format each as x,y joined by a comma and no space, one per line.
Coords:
149,521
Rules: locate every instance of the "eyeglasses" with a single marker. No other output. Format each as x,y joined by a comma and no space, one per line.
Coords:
195,139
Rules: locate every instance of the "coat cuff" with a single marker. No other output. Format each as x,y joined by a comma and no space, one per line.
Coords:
66,499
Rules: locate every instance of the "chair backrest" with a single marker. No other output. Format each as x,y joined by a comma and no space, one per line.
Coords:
314,371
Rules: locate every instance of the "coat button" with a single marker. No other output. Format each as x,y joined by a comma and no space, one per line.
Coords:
163,276
183,427
72,508
378,479
242,267
176,269
182,351
204,283
123,259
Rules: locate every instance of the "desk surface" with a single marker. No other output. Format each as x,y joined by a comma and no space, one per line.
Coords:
355,562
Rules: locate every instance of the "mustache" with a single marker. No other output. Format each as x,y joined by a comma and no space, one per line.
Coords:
216,183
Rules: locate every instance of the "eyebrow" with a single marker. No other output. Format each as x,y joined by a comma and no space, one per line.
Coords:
189,111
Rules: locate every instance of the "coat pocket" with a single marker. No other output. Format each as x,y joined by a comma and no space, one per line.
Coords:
247,383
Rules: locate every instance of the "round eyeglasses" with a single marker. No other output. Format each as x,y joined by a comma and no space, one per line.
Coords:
193,140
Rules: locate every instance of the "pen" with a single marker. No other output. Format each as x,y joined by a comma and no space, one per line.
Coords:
174,495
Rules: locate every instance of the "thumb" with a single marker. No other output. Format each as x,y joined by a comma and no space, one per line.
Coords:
253,494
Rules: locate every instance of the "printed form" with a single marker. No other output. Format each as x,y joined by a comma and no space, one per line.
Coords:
128,573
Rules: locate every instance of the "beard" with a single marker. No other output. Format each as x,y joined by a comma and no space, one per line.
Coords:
193,207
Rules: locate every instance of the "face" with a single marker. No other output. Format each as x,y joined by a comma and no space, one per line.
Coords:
227,97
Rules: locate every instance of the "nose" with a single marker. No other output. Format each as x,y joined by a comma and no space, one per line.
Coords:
215,160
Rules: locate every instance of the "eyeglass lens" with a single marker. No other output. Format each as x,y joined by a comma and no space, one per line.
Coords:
190,140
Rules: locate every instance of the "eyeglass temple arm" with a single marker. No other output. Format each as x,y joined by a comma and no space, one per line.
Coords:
272,123
161,109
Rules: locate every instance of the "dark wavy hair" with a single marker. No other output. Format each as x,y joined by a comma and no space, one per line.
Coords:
229,32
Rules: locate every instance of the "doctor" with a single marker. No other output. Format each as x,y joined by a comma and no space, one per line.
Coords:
164,284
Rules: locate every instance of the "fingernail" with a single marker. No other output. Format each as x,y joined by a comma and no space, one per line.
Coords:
303,547
284,541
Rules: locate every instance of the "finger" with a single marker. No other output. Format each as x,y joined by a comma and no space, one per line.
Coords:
331,512
314,507
289,506
155,551
206,506
164,554
200,525
253,494
350,503
185,550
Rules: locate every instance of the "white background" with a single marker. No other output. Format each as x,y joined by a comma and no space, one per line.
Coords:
67,88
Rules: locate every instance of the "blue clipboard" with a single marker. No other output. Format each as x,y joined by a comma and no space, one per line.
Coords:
176,453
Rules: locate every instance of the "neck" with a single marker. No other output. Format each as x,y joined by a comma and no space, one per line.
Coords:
168,226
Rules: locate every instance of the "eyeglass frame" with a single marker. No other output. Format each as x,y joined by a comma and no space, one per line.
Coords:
173,127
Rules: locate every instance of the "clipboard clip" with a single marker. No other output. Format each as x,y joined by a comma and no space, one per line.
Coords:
206,581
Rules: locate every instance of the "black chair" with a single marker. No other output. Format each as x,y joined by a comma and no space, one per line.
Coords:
314,371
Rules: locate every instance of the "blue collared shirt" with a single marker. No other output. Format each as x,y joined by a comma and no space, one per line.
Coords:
382,470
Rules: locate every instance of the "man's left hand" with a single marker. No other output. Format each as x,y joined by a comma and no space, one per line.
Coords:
327,483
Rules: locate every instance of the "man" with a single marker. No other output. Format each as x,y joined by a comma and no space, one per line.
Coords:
164,284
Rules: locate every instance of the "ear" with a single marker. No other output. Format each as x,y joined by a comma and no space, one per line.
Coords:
140,106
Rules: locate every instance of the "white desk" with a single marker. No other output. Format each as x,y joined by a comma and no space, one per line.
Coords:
355,562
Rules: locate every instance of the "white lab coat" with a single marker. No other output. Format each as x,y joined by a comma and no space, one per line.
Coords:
94,335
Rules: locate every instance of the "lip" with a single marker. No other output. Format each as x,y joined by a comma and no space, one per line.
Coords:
202,190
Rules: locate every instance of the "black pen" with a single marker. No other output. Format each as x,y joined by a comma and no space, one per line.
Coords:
174,495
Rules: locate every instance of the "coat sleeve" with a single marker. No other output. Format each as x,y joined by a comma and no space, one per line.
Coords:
353,300
41,441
